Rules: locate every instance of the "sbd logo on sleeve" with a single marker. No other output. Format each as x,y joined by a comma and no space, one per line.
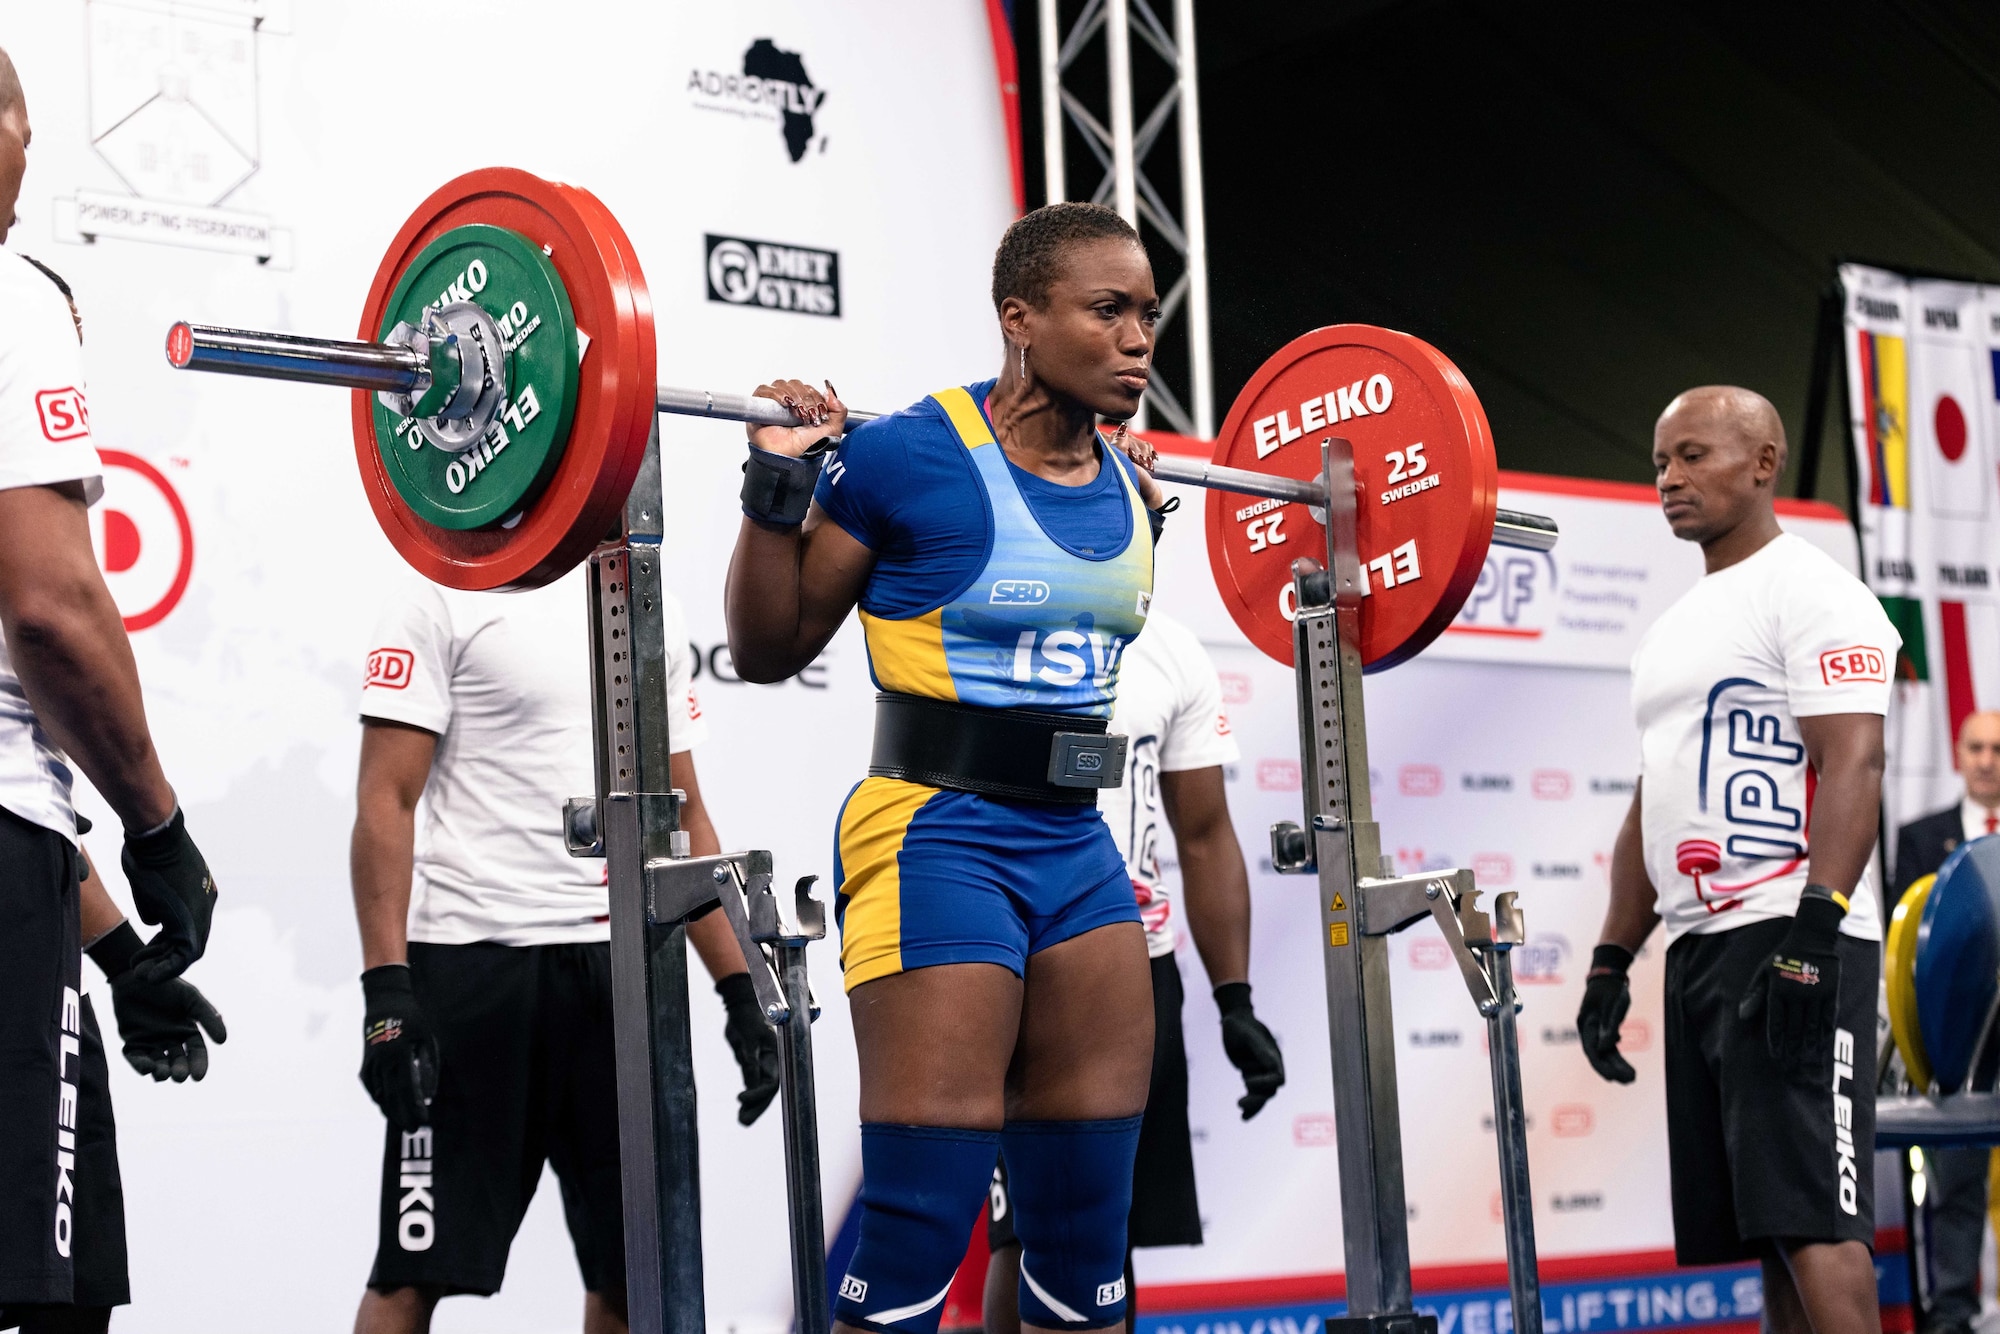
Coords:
1840,666
389,669
64,414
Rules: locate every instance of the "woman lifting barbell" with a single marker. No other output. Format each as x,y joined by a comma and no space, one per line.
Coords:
1001,557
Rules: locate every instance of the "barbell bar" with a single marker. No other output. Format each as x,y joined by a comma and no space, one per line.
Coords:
400,369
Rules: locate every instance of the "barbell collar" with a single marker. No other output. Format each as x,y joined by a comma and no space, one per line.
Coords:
273,356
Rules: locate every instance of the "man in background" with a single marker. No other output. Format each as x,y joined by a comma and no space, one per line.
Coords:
1170,706
1958,1177
488,1036
1759,698
69,694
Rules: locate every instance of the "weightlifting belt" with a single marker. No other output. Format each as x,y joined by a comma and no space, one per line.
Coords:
1017,754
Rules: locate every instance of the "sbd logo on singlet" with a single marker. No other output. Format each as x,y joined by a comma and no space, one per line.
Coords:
390,668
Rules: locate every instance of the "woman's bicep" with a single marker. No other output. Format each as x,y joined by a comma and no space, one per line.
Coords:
833,570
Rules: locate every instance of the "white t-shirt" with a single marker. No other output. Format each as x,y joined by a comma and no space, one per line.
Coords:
1718,685
1170,706
44,438
504,680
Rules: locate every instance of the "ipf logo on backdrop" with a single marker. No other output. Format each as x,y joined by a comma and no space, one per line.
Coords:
743,272
1514,597
145,544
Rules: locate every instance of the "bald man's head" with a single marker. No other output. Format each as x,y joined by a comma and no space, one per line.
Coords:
1978,756
14,136
1718,452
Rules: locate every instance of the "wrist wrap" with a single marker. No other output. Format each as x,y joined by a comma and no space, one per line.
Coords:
1818,919
778,488
1232,996
1610,959
113,950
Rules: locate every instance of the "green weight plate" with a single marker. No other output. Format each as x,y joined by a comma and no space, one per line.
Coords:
513,281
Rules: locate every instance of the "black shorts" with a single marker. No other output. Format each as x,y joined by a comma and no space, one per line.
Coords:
62,1207
525,1076
1758,1153
1165,1211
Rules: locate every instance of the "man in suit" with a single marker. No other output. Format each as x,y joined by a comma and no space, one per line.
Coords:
1958,1177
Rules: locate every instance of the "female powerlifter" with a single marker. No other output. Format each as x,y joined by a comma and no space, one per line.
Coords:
1002,557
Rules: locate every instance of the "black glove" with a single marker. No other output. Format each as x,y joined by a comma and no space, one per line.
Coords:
1249,1047
1797,986
160,1022
173,890
399,1061
1607,995
755,1043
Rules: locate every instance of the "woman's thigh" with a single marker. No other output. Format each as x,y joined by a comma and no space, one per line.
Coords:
1085,1051
934,1044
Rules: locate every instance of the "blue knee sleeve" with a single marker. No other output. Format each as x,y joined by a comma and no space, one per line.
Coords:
1070,1184
922,1188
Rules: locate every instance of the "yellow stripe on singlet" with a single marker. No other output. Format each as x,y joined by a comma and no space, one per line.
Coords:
965,416
872,826
908,656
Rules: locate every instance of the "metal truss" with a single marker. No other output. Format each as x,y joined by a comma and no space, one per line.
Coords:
1121,150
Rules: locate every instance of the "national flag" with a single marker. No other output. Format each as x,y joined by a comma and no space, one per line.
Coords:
1948,435
1885,417
1970,637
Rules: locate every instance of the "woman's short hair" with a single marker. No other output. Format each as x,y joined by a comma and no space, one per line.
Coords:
1031,253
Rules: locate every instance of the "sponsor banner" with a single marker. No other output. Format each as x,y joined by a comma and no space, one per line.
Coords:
1922,362
743,272
1643,1297
1616,568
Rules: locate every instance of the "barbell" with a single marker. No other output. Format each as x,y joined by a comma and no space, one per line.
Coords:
504,392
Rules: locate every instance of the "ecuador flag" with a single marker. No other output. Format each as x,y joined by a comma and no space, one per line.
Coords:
1885,390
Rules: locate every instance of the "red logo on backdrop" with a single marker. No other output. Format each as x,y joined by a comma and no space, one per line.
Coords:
390,669
1235,687
64,413
1635,1035
1313,1130
1420,780
1278,775
1550,784
1429,953
1838,666
145,543
1571,1120
1495,868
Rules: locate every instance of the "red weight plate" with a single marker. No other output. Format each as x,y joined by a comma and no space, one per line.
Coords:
615,393
1424,466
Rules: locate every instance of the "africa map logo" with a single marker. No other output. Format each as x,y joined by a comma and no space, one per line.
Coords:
773,86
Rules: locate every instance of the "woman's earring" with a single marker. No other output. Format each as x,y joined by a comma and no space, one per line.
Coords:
1024,363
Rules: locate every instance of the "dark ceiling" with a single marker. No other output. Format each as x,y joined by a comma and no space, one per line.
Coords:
1588,206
